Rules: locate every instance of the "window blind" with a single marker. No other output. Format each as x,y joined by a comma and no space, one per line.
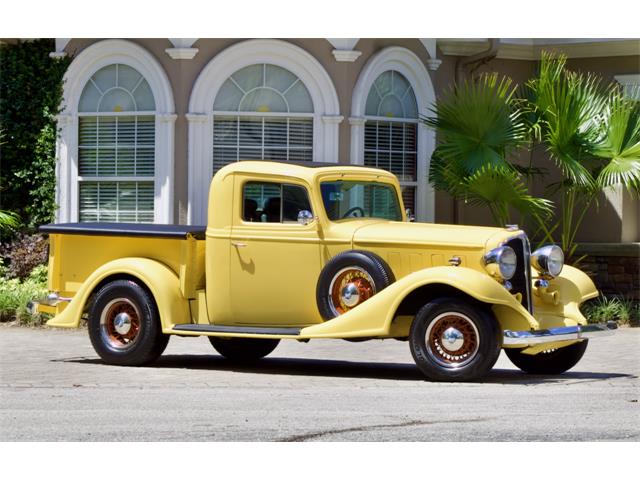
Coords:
261,138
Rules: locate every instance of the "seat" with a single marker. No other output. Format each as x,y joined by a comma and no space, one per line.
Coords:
272,209
250,213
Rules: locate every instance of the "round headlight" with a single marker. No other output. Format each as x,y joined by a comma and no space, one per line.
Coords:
548,260
505,259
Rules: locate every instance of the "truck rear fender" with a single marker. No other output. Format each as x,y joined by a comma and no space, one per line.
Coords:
161,281
366,320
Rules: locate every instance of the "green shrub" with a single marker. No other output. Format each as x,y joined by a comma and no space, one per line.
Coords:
16,294
23,254
30,97
603,309
629,312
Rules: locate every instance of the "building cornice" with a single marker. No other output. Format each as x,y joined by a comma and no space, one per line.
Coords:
532,51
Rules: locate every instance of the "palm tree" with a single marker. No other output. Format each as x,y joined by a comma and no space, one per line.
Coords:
479,125
590,130
592,133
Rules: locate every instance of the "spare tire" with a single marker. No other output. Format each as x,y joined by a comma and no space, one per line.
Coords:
349,279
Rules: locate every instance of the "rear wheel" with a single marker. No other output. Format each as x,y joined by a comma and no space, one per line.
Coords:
453,340
244,349
124,324
549,362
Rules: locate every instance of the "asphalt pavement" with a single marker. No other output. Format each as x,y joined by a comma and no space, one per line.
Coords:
53,387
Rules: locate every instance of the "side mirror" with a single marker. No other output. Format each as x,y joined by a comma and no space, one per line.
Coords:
410,216
305,217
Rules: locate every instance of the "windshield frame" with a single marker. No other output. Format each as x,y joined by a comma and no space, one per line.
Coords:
377,180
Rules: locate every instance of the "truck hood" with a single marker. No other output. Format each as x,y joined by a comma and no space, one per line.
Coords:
423,234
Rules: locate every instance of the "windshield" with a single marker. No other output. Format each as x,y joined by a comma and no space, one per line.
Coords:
360,199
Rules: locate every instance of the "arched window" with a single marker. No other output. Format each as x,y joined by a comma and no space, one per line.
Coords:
116,147
262,112
283,107
390,131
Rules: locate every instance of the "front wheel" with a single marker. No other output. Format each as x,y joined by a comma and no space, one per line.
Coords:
124,324
244,349
453,340
550,362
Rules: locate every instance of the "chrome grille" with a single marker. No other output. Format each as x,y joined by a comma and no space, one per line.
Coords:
521,280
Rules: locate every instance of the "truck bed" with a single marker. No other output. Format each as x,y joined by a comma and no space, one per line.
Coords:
127,230
79,249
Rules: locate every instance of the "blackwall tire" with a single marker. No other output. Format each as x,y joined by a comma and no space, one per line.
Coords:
356,273
244,349
124,324
552,362
452,340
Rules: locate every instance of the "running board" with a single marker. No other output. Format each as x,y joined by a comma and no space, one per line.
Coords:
191,327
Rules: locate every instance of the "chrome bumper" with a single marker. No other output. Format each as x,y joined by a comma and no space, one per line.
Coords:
578,332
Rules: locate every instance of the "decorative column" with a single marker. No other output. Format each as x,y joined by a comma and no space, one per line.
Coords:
357,140
200,164
164,171
425,193
66,169
331,126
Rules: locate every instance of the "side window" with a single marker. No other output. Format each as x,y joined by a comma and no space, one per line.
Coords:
273,202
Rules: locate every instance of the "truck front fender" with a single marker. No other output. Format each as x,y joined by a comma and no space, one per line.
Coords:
559,304
373,318
161,281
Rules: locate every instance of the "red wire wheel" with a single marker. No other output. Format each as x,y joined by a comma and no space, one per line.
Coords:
350,287
120,323
452,339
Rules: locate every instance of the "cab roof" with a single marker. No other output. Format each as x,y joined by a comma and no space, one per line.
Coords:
307,170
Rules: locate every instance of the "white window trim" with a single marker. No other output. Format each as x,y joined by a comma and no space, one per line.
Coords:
630,83
408,64
326,107
88,62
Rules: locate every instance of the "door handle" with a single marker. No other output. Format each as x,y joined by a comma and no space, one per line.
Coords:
238,244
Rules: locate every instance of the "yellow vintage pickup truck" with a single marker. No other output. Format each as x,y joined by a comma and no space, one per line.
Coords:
304,253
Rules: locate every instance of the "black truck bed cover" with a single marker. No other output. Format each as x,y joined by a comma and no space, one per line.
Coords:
126,230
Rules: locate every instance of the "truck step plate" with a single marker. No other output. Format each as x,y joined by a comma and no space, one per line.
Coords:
190,327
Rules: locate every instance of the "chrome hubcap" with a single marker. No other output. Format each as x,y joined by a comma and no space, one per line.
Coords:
350,295
122,323
452,339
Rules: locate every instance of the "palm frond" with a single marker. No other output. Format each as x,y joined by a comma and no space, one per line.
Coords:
620,144
8,220
501,188
478,124
569,107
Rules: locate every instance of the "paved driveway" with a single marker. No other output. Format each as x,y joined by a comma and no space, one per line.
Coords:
53,387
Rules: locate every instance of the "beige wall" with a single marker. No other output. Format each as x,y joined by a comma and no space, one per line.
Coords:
604,225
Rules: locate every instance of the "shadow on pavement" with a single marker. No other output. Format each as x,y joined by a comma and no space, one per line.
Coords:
347,369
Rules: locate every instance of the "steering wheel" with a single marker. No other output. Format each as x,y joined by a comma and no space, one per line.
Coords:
354,210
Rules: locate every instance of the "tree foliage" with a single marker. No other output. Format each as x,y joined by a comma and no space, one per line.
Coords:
30,96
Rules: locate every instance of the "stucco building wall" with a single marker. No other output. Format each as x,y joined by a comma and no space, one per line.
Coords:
603,225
